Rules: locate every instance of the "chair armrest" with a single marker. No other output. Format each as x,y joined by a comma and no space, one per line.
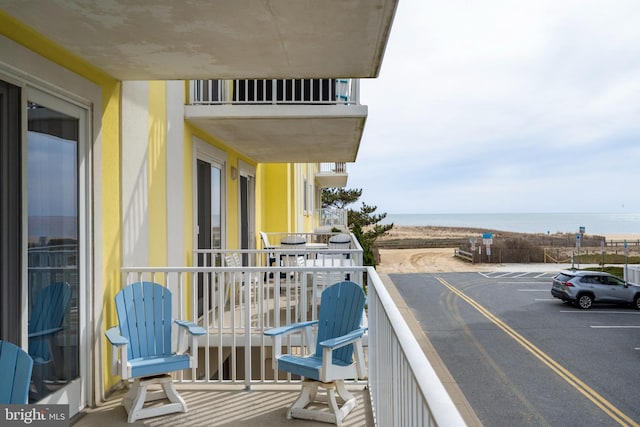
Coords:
277,333
114,337
44,333
194,330
343,340
191,327
282,330
118,345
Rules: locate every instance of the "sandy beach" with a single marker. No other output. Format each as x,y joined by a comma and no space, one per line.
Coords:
437,260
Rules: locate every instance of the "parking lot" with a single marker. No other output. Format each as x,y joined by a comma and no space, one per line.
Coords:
524,358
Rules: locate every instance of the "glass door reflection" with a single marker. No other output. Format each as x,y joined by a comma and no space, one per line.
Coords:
53,268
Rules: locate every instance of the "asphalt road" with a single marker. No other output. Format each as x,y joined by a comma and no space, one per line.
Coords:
523,358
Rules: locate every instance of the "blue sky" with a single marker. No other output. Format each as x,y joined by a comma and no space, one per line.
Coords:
505,106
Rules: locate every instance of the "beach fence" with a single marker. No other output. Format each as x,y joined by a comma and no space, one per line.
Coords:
532,249
465,255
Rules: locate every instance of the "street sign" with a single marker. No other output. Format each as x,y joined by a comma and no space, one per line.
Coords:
487,238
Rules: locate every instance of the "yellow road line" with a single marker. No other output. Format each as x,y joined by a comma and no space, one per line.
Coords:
602,403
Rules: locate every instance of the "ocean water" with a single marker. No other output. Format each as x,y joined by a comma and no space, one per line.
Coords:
593,223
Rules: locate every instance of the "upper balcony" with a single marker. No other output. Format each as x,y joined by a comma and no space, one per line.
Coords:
281,121
198,39
332,175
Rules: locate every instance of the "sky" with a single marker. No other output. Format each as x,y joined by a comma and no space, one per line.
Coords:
486,106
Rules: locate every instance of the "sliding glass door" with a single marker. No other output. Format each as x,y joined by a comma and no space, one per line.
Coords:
56,264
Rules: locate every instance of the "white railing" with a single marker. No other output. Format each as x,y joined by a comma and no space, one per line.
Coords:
236,304
332,217
329,168
275,91
317,242
275,239
404,388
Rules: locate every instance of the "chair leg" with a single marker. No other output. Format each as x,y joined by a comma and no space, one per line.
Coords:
334,391
306,396
138,395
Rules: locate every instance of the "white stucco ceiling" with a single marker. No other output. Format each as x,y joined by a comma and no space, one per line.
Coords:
216,39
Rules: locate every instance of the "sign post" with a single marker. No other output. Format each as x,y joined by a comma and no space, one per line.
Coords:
626,258
487,239
473,241
581,230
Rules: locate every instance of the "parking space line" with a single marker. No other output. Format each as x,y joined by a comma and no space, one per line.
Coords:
635,313
597,399
616,327
504,274
525,283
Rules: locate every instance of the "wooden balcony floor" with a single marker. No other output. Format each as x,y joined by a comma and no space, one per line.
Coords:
263,406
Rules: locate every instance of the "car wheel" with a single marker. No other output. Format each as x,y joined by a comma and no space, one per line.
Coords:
585,301
636,302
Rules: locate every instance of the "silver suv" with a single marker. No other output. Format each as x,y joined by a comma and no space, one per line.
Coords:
586,287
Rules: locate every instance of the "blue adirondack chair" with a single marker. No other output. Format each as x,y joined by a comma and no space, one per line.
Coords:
142,348
335,355
15,366
45,322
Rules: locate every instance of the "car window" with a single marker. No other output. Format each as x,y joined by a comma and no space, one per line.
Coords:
594,280
563,277
614,281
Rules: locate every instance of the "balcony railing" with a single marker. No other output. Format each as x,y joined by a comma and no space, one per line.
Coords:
318,241
274,91
330,218
328,168
236,304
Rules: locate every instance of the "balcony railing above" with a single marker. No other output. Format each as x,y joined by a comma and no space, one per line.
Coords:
275,91
328,168
332,175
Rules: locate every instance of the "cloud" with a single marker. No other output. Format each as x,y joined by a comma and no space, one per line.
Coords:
501,106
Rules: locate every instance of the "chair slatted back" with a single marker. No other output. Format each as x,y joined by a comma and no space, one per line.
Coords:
144,314
341,309
15,366
48,310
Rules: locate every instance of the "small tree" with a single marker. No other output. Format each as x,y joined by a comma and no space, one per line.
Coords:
363,223
339,197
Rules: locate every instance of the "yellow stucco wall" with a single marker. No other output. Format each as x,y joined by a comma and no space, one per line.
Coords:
276,199
157,170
